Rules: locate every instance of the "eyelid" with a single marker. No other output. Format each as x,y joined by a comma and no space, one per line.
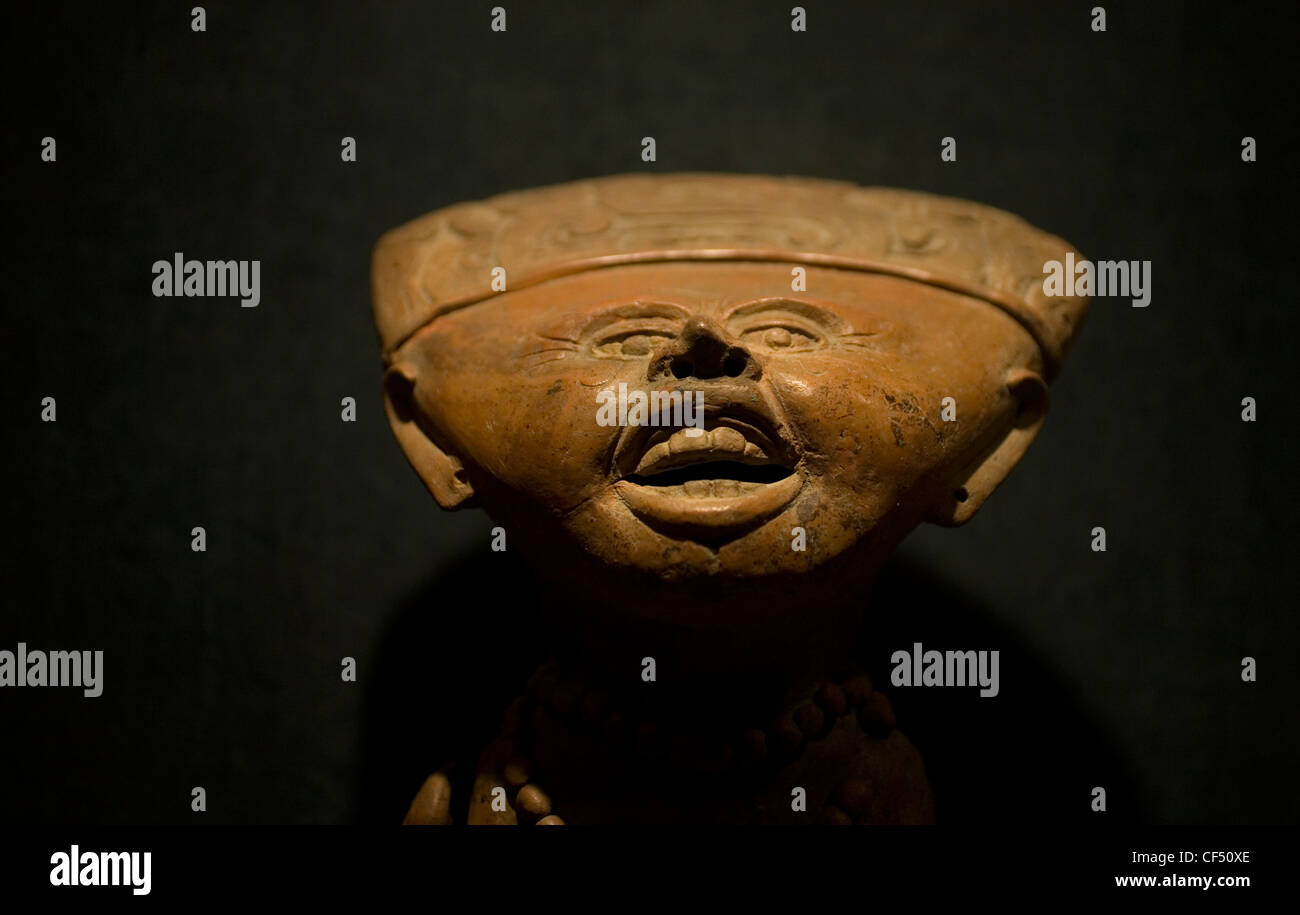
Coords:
785,322
629,327
619,312
808,310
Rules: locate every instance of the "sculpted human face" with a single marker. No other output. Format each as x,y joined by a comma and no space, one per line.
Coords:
824,412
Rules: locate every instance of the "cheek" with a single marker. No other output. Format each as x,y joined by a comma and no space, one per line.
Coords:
870,428
536,433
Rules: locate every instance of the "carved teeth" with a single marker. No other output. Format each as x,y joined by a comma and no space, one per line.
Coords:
688,446
698,489
713,489
728,439
656,454
681,442
725,489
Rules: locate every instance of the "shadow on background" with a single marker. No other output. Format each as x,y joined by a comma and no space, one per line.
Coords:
455,654
1031,752
462,647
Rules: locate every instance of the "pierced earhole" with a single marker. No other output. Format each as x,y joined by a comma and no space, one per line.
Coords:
401,393
960,494
1030,392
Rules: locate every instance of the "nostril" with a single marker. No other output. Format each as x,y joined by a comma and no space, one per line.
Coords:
733,366
682,368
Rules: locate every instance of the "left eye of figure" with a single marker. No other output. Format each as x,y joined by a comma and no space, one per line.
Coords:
779,337
630,344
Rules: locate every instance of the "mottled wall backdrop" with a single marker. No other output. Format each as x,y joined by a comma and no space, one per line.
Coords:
222,668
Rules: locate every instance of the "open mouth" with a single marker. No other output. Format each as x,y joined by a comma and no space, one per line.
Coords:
735,472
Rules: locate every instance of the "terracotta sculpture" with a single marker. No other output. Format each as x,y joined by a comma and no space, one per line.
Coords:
867,359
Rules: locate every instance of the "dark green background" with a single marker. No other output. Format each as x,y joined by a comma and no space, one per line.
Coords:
1119,669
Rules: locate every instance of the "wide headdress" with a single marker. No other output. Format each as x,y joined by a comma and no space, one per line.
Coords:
445,260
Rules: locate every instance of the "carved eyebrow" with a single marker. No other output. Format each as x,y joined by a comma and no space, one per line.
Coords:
805,308
623,311
573,326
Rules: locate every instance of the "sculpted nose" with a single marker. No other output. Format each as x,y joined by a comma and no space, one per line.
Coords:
702,351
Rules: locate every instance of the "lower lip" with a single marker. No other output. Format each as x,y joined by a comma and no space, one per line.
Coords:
709,512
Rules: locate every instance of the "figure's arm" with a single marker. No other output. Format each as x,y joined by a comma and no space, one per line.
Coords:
432,804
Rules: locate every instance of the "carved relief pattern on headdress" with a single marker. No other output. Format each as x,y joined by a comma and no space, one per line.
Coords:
444,260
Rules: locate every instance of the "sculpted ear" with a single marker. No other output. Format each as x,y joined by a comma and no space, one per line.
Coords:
974,482
440,470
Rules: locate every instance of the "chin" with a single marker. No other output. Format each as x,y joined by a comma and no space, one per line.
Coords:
631,568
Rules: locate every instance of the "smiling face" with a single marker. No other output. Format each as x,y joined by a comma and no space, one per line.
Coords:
823,412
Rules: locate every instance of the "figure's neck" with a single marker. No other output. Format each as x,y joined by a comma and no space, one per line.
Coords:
728,677
704,722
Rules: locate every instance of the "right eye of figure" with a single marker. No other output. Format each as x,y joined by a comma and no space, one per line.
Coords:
630,343
781,336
